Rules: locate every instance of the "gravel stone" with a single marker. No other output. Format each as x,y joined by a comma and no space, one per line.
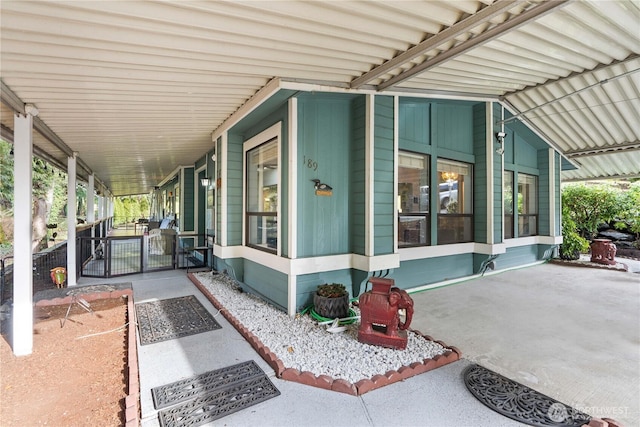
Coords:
304,345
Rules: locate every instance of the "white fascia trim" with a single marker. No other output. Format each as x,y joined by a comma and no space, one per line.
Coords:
375,263
424,252
533,240
266,92
223,191
295,267
337,87
170,176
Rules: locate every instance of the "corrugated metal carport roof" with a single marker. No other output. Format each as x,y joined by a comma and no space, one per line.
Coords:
136,88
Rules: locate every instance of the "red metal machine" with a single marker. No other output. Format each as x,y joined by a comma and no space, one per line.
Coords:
380,321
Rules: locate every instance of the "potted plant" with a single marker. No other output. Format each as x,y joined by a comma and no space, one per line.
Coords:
331,300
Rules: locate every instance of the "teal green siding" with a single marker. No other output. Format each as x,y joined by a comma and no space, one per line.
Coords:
306,285
520,255
383,165
480,174
454,126
414,124
269,283
188,214
234,190
525,154
324,136
201,161
357,178
544,220
432,270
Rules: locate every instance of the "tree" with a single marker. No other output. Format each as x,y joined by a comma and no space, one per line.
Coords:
590,206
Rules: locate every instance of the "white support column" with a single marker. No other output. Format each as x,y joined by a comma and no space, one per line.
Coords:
22,324
396,143
292,232
369,171
91,217
223,191
71,221
552,192
101,214
91,195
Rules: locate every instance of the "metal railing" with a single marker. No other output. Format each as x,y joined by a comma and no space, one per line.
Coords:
114,256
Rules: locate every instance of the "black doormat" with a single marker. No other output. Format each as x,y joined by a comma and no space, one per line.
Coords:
520,402
212,395
172,318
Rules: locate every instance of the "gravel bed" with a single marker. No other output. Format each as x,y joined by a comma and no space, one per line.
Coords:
304,345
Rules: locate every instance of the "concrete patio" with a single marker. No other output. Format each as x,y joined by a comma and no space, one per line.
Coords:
568,332
571,333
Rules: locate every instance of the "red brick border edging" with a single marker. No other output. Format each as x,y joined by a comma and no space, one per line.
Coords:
323,381
132,400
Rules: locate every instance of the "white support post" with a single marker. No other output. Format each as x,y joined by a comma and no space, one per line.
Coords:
22,324
292,232
91,194
91,217
71,221
223,190
101,213
552,192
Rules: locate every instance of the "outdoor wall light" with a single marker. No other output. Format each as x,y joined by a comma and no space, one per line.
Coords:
205,181
500,138
31,109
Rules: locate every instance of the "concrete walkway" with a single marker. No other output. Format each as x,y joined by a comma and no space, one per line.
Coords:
435,398
571,333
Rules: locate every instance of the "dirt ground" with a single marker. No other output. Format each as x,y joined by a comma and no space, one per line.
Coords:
70,379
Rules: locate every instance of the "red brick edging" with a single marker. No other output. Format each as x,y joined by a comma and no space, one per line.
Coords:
323,381
132,400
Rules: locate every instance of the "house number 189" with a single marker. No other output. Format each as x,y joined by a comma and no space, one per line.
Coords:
310,163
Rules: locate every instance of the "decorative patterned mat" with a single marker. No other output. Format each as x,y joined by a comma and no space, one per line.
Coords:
172,318
212,395
520,402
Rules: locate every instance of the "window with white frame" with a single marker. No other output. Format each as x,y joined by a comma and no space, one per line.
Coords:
508,204
527,205
261,211
413,199
455,196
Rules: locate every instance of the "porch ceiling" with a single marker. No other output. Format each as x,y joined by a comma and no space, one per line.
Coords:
137,88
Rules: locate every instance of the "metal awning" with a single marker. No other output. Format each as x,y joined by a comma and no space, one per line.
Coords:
137,88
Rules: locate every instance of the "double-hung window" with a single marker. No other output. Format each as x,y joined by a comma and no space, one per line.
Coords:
413,199
261,214
455,196
527,205
508,204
